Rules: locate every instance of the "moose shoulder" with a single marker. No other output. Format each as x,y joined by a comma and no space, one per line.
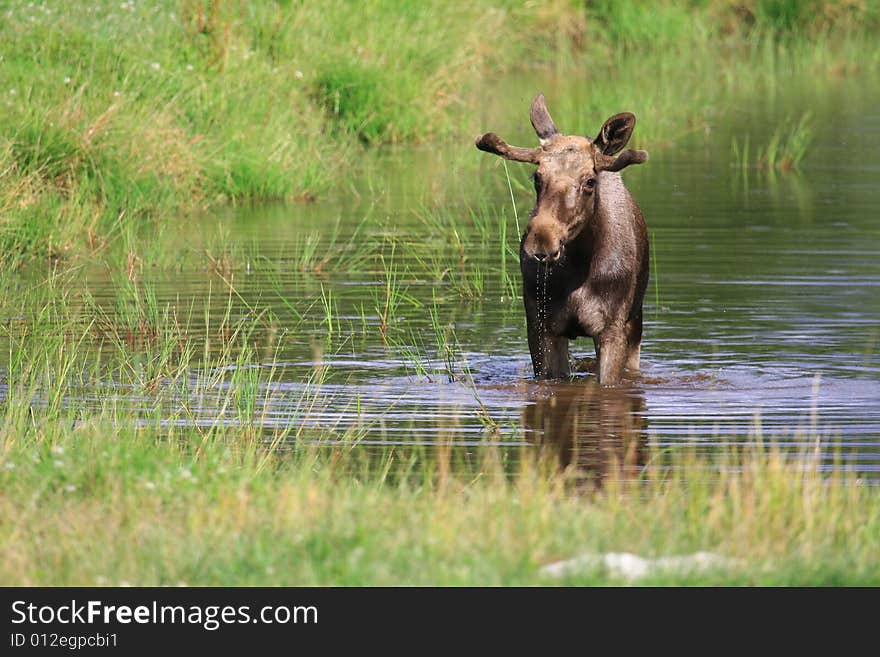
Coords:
584,254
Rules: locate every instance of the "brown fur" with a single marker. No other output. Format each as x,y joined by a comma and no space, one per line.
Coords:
584,255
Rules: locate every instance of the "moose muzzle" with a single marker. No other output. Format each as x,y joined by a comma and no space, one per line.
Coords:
544,240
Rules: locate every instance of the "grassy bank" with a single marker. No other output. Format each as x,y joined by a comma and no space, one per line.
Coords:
126,113
104,504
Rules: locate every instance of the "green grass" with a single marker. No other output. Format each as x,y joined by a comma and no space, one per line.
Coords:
783,151
100,504
787,148
115,115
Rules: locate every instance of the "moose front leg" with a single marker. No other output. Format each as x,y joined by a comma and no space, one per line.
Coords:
611,350
549,352
549,356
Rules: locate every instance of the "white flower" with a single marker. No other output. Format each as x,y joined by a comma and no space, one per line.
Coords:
67,80
155,66
57,450
298,74
70,488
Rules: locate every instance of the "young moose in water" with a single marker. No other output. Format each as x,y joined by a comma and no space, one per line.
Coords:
584,255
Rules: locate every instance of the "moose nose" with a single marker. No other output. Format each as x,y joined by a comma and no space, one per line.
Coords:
543,257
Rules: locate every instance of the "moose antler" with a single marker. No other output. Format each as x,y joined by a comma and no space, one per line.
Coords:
541,121
492,143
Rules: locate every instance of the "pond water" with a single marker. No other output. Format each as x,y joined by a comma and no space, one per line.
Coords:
762,314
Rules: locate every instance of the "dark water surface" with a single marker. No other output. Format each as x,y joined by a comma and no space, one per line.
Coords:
762,314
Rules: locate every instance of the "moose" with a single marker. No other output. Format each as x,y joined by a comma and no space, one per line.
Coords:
584,253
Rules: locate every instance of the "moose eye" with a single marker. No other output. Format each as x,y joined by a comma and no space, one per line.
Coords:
591,182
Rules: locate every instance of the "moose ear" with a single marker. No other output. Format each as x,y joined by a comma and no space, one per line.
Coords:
615,133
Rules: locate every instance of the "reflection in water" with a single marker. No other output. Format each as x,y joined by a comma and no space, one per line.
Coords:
598,432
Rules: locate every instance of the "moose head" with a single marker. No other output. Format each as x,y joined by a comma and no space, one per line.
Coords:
566,180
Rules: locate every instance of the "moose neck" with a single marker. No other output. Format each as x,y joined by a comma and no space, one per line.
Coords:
611,216
609,210
613,197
